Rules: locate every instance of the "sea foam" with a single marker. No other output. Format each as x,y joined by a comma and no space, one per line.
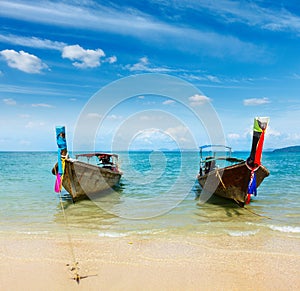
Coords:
243,233
111,234
293,229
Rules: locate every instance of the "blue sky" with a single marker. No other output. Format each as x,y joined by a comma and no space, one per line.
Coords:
55,55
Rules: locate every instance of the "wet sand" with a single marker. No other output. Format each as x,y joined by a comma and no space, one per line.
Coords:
260,262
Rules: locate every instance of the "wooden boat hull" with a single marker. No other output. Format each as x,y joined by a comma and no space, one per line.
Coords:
231,182
82,179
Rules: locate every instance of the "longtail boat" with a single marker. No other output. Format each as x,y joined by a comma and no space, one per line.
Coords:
229,177
83,178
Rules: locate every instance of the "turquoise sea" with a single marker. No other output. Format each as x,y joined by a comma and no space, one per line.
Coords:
146,203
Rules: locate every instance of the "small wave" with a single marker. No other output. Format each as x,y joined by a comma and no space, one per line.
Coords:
33,232
243,233
293,229
111,234
149,232
201,232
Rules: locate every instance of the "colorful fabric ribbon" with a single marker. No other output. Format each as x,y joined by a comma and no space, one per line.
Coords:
252,184
62,146
254,161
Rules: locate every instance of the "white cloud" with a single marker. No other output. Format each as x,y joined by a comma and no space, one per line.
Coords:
42,105
33,42
272,132
197,100
294,137
177,132
256,101
169,101
233,136
25,116
182,135
114,117
296,76
134,23
149,133
94,115
250,13
24,142
111,59
144,65
9,101
23,61
149,137
83,58
213,79
153,138
73,52
145,117
32,124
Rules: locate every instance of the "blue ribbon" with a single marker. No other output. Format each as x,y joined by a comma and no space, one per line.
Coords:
252,184
61,137
62,144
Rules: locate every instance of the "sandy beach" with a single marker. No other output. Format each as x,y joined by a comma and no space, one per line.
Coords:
30,262
214,246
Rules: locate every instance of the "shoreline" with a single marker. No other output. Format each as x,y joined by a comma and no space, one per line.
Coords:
258,262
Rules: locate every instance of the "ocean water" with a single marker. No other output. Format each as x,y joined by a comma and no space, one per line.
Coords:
157,196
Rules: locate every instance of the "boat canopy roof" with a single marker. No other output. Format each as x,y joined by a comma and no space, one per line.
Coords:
214,146
90,155
217,152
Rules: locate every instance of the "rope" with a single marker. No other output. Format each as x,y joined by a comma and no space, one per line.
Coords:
264,216
217,174
74,268
257,214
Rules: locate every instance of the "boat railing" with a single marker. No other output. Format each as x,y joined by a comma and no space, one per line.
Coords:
103,160
210,163
227,159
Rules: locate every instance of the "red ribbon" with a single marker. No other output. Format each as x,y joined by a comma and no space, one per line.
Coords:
257,160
